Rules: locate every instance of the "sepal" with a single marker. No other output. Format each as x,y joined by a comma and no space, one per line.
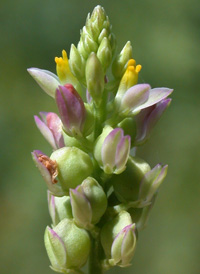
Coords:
51,128
47,80
59,208
73,165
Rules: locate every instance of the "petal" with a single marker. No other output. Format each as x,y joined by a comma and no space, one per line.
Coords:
81,208
55,248
134,97
147,119
46,132
128,245
47,80
55,125
122,154
155,95
109,148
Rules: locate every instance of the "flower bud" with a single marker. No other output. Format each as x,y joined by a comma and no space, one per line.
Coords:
104,53
114,151
49,171
77,63
111,229
64,73
119,64
59,208
127,185
47,80
147,118
67,246
89,44
51,128
98,18
95,78
73,166
89,203
71,109
123,246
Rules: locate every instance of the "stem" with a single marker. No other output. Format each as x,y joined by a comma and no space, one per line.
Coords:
94,259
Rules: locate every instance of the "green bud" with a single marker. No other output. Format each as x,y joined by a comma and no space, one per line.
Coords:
81,49
67,246
77,63
102,35
95,78
104,53
119,64
127,184
59,208
112,228
74,166
98,18
89,44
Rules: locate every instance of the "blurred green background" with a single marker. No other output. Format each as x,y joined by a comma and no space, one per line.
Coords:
166,38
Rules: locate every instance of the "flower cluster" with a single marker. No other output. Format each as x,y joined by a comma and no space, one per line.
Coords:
99,193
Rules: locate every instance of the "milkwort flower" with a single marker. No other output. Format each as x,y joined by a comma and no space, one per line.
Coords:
49,81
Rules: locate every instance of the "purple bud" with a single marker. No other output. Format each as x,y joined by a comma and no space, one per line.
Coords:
71,108
115,151
147,118
51,128
48,170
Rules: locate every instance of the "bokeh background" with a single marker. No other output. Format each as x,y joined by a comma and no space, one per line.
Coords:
166,38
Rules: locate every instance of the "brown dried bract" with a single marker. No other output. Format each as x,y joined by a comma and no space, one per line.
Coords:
50,165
